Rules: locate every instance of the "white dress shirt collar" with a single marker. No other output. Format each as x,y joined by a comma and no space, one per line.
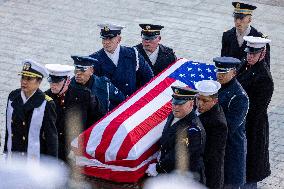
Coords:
240,36
153,56
115,55
24,98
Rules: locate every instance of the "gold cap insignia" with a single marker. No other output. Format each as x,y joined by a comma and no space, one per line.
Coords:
176,91
26,66
148,27
106,28
238,5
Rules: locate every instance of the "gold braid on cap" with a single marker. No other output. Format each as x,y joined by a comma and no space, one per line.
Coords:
29,74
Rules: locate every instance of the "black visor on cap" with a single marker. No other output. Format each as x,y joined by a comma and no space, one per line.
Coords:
149,37
223,70
55,79
109,34
176,101
239,15
82,68
253,50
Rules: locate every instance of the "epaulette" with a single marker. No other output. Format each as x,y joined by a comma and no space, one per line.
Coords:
48,98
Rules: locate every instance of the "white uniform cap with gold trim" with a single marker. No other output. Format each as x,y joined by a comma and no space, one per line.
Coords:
207,87
33,69
110,30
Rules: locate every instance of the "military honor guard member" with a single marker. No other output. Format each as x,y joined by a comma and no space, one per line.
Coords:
234,101
124,66
214,122
183,138
157,55
257,81
31,116
76,108
233,44
100,86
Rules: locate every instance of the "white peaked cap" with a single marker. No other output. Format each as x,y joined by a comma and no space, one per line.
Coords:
60,69
110,26
256,42
207,87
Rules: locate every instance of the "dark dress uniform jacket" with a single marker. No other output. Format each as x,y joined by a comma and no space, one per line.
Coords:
30,127
235,103
258,83
125,76
166,56
77,110
101,87
215,125
194,143
230,46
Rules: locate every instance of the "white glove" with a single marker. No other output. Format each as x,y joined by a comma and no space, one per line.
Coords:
151,171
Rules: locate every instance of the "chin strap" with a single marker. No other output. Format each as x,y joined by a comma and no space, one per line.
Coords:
65,80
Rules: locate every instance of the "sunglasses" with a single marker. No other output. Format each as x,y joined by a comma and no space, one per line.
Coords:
82,68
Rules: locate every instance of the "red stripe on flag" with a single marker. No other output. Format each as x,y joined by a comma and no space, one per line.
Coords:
115,123
142,129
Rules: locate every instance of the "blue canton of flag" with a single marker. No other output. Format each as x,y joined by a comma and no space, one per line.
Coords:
192,72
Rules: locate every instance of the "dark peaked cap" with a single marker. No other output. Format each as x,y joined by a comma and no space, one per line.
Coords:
84,60
242,9
150,29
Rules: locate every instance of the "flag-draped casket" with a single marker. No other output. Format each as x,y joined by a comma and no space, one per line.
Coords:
121,145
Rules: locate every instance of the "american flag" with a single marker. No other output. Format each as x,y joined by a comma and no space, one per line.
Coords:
121,145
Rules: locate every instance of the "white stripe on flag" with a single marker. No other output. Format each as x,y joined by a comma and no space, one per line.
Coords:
151,137
147,141
97,132
136,119
83,161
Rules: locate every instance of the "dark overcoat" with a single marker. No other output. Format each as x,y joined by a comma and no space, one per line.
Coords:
235,103
129,75
23,134
194,142
230,46
76,111
108,95
166,56
215,125
257,82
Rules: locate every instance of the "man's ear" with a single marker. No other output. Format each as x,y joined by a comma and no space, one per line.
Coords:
92,70
68,81
119,39
215,100
249,18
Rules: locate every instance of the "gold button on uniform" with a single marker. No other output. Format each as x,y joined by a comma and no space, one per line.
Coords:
24,138
24,123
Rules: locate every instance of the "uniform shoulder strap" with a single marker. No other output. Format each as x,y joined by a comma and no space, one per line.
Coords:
48,98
